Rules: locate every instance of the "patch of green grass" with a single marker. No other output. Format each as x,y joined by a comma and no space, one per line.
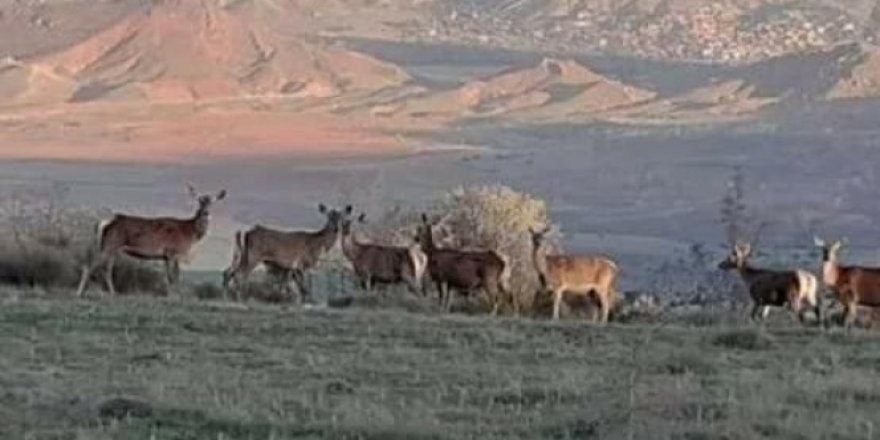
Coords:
191,370
743,339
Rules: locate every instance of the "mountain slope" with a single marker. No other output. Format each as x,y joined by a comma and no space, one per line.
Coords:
181,50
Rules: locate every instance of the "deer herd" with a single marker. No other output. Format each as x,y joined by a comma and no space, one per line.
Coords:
290,255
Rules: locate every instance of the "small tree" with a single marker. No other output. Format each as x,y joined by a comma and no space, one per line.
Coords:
492,217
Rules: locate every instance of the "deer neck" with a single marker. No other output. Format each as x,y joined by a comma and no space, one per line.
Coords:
350,246
830,271
428,245
747,272
539,260
200,223
327,237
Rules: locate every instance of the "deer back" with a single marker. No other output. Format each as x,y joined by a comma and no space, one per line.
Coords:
464,269
149,237
864,283
287,248
383,262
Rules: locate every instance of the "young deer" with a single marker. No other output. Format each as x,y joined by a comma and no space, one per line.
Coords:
853,286
163,238
380,264
292,253
464,271
795,288
586,275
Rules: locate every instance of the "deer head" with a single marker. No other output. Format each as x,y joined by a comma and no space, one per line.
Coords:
204,201
829,251
335,218
538,237
738,257
346,224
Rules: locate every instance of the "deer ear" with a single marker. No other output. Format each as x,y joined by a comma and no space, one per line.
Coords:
348,209
321,208
424,218
221,195
363,217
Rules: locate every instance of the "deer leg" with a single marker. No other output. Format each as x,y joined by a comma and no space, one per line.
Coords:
557,301
604,306
169,275
108,275
496,303
438,285
86,275
300,279
491,292
444,292
849,314
764,312
756,310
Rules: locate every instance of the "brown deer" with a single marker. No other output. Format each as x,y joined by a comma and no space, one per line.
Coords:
163,238
587,275
378,264
465,271
277,273
853,286
292,253
796,288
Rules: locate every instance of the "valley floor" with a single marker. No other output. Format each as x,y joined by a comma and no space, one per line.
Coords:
172,369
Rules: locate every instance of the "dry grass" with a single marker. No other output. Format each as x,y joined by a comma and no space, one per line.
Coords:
136,368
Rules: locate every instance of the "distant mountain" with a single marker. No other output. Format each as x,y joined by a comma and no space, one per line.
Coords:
186,50
553,87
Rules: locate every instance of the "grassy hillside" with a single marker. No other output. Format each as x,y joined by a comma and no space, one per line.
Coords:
142,368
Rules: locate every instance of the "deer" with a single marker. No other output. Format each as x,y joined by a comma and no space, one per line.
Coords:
290,253
149,238
587,275
853,286
278,273
380,264
464,271
797,288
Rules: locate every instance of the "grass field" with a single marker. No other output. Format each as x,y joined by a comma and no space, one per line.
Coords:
146,368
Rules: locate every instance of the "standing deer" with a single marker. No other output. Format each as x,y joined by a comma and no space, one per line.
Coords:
853,286
587,275
465,271
278,273
163,238
292,253
375,263
796,288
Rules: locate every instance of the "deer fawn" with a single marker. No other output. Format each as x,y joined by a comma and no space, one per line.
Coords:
290,252
795,288
163,238
587,275
853,286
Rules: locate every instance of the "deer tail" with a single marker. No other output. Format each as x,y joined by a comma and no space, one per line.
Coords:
506,269
808,287
100,233
419,263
